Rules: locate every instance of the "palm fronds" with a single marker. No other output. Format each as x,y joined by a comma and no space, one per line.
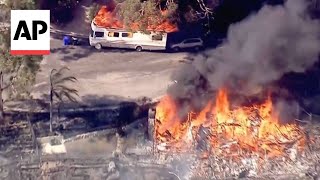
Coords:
59,86
60,90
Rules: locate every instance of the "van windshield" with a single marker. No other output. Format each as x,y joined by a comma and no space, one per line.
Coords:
91,33
99,34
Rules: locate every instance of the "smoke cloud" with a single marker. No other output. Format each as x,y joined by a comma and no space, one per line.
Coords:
258,51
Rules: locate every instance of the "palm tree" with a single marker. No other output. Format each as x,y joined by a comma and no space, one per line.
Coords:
60,90
1,98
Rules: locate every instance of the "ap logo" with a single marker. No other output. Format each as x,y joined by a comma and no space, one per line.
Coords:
30,32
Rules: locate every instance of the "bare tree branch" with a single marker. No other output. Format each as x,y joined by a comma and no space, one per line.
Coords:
11,83
206,10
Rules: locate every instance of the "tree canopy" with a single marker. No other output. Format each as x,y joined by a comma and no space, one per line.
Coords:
61,10
21,4
154,14
18,72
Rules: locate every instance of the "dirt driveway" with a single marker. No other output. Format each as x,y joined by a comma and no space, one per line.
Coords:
110,73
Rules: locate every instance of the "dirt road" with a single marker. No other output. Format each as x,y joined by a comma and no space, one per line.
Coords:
110,74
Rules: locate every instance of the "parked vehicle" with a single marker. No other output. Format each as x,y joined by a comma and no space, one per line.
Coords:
117,38
75,41
191,43
70,40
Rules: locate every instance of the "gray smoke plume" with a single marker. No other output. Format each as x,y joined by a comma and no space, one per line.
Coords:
258,50
286,111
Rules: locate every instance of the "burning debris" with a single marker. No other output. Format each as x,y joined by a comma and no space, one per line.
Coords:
236,133
222,141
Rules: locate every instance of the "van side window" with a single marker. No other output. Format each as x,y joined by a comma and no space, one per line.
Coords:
99,34
157,37
116,34
110,34
129,35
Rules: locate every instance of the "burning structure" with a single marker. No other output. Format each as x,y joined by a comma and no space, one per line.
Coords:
221,104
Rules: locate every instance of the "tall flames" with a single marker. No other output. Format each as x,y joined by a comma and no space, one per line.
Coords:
106,17
218,128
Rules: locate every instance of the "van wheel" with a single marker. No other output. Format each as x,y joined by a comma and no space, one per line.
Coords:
176,49
98,46
197,48
139,48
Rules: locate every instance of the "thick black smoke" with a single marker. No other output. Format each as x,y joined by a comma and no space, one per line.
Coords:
258,51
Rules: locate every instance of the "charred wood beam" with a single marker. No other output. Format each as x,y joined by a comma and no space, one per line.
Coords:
151,123
127,112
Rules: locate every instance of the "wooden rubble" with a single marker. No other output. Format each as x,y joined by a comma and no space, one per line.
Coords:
228,161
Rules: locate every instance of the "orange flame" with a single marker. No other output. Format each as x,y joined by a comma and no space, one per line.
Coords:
247,129
106,17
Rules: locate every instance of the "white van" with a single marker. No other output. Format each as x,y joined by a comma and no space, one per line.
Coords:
102,37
